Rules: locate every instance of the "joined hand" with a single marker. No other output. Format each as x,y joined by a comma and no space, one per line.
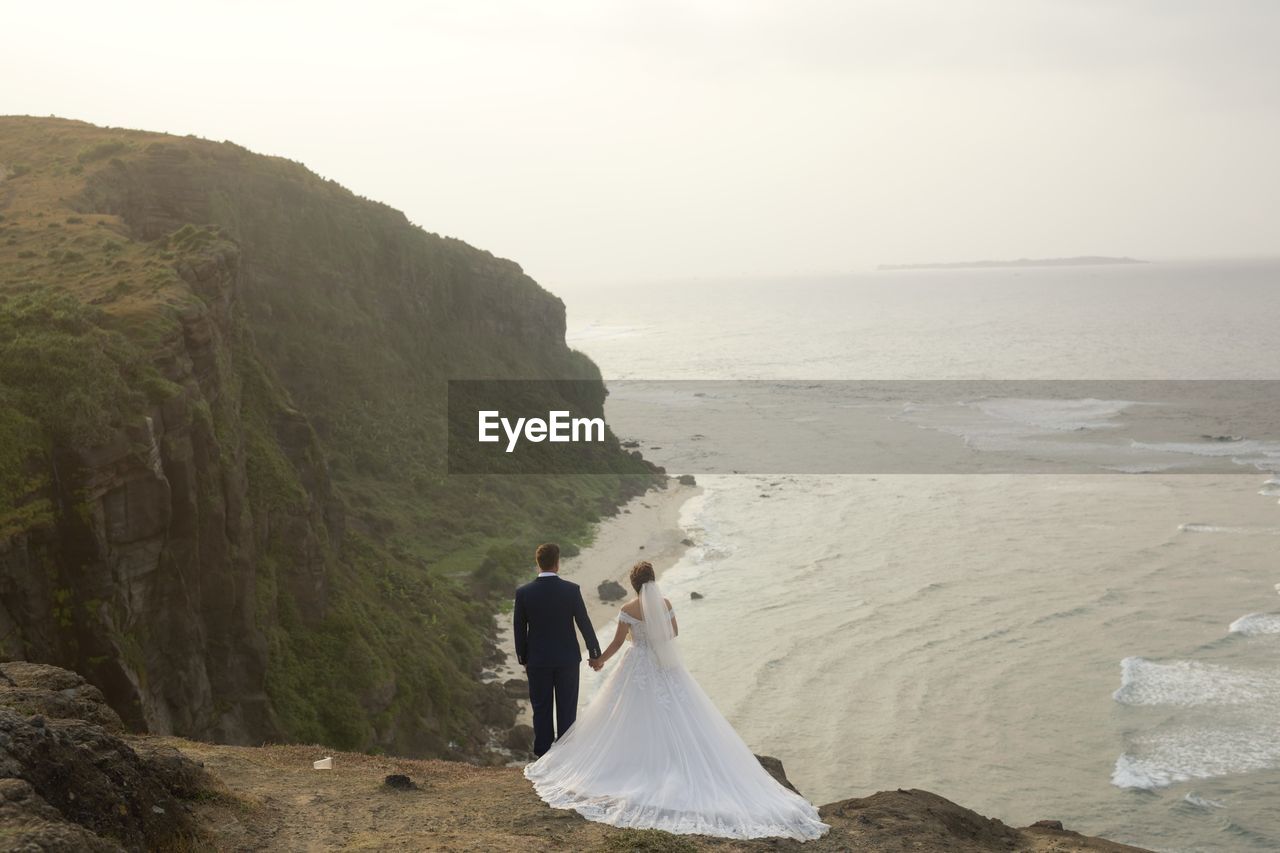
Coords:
596,663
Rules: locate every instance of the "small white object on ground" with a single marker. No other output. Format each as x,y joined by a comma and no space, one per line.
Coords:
325,763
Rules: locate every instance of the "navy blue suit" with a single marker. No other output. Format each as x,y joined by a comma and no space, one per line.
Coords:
547,646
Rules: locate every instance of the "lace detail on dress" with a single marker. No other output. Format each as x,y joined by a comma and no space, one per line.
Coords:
804,825
648,674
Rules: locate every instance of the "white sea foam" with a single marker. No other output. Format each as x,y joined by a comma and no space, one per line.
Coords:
989,432
1130,773
1195,752
1057,415
1141,468
1245,447
1185,683
710,543
707,553
1010,416
1198,801
1262,455
1217,528
1256,624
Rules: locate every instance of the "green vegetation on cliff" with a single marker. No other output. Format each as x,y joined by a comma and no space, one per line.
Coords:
222,427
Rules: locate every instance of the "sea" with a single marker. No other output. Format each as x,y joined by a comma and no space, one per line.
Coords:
1096,644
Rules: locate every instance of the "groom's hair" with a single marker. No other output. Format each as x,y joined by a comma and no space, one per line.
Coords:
547,555
641,573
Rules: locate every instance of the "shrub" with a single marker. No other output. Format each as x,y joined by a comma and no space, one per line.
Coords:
101,151
647,841
189,237
59,367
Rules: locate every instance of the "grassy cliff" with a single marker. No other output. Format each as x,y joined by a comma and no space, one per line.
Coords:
222,418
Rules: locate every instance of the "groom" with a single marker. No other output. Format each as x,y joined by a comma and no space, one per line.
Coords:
547,646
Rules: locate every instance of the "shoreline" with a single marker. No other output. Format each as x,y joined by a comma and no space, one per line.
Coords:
646,528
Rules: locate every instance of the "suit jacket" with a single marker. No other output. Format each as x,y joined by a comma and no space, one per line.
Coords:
545,612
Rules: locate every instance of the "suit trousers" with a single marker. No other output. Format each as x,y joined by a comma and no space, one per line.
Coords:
552,686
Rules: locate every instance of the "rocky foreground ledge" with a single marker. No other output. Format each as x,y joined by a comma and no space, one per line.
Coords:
72,780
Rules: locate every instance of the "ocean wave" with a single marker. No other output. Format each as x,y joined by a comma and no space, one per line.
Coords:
1262,455
709,553
1217,528
1141,468
1196,752
1057,415
1195,799
1131,772
1064,614
1244,447
1186,683
1256,624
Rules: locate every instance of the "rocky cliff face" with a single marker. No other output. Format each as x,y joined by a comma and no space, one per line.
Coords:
222,494
148,560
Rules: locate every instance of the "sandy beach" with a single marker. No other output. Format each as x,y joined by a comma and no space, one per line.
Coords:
647,528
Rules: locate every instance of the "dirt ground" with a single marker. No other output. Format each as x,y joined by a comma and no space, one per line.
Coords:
274,800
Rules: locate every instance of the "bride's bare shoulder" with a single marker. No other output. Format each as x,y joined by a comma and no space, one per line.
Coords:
632,608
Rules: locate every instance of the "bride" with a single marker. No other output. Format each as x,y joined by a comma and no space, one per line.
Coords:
652,752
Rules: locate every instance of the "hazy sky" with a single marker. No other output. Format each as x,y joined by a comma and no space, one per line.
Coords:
597,141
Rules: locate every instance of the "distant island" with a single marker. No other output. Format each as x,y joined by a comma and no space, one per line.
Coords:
1079,261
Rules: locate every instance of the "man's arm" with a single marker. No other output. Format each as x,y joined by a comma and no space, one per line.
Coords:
584,625
520,630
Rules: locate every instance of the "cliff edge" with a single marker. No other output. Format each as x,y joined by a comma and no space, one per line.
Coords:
71,781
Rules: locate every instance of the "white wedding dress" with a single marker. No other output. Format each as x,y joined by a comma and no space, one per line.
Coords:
651,751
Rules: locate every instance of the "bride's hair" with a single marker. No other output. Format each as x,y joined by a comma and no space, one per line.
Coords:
641,573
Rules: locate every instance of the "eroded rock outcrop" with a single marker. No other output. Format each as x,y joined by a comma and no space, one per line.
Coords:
69,781
920,820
